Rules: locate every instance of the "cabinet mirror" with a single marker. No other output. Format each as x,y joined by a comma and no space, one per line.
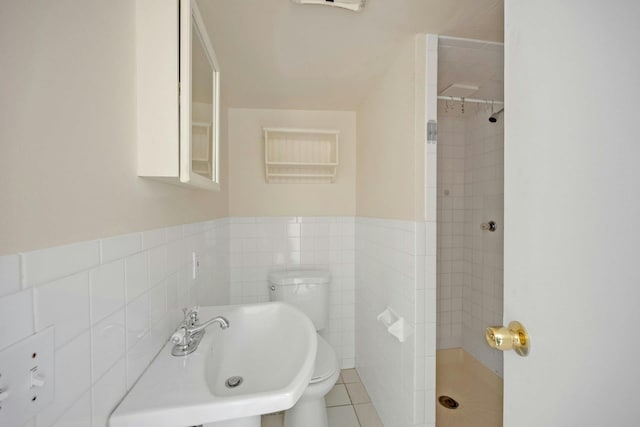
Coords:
199,101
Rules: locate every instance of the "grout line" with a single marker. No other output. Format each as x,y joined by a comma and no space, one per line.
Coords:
338,406
357,417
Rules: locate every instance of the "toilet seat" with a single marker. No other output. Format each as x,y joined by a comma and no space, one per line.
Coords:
326,362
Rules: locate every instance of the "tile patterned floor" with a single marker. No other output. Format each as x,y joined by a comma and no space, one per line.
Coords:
348,405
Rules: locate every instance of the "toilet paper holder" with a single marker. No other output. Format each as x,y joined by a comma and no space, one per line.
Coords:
396,325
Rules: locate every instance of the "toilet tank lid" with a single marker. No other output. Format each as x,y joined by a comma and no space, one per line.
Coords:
299,277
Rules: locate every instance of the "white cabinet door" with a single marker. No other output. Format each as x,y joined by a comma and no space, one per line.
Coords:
178,79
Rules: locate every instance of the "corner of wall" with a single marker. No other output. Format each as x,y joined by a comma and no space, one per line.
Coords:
386,152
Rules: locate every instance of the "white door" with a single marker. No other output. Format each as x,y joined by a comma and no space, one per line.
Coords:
572,211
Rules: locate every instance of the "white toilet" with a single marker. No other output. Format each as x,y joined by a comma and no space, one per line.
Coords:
308,290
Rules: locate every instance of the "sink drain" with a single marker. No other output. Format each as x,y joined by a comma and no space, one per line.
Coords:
448,402
233,382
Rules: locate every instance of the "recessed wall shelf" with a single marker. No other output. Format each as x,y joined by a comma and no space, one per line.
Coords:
300,155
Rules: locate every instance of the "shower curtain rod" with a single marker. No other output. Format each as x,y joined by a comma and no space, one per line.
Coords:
474,100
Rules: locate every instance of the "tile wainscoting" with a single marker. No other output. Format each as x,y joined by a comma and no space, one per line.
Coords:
262,244
395,266
113,303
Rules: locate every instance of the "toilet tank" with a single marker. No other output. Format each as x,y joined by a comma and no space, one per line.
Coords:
308,290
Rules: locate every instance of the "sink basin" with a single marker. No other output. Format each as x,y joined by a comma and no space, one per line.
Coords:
270,346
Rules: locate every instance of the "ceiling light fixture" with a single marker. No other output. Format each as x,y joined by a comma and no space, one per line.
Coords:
354,5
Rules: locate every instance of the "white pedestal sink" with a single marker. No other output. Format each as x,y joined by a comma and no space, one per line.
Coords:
271,346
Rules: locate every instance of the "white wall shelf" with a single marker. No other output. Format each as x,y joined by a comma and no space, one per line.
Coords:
300,155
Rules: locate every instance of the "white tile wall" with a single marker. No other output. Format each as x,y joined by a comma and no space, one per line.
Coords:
64,303
107,289
78,414
391,262
45,265
259,245
470,261
108,343
9,274
483,255
113,303
107,392
136,275
451,217
16,312
73,378
111,318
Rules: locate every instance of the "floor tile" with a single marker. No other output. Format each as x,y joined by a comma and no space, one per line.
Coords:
348,405
357,393
338,396
273,420
340,380
367,415
342,416
350,376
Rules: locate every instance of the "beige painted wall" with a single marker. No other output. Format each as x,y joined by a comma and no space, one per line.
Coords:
67,130
390,178
250,195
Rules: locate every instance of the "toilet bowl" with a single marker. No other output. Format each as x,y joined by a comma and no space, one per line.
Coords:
310,410
308,290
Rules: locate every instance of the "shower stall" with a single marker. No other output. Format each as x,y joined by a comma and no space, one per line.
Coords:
470,201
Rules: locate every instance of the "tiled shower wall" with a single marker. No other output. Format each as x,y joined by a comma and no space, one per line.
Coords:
113,303
484,251
470,261
400,376
451,217
262,244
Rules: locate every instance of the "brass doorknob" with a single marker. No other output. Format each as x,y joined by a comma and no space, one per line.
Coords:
513,337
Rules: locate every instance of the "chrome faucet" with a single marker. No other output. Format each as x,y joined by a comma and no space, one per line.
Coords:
188,335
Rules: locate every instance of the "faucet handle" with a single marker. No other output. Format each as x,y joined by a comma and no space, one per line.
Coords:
180,336
191,315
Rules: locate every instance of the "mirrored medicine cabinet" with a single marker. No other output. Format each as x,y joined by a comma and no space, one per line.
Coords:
178,88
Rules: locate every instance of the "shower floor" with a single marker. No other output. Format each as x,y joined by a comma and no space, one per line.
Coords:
477,389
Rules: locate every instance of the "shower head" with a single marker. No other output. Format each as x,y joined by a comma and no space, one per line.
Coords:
494,117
